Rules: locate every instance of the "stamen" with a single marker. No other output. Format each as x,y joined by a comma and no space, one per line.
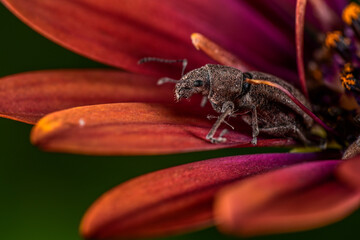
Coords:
336,40
347,81
218,53
350,13
349,78
295,100
351,16
332,38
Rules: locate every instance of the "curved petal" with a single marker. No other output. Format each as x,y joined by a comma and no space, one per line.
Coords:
349,171
120,33
135,129
27,97
173,200
299,197
299,39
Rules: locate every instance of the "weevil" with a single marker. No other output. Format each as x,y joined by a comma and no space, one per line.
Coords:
266,109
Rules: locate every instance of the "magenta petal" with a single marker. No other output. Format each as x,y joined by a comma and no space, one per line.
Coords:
349,171
120,33
174,200
299,197
337,5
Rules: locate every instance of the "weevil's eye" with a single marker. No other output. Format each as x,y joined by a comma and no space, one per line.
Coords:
198,83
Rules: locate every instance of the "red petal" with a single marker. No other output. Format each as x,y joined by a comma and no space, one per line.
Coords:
173,200
296,198
349,171
133,129
120,33
27,97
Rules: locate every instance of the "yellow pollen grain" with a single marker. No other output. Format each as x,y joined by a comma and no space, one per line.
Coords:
332,38
347,81
349,75
350,13
348,68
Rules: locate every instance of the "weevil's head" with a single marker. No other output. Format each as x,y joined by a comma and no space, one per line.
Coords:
195,81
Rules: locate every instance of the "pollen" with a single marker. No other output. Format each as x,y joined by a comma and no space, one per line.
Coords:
332,38
348,68
350,13
347,81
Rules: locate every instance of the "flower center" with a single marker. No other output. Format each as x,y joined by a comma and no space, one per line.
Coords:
335,77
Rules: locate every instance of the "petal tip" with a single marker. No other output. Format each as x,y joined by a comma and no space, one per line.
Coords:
84,229
42,128
224,216
195,40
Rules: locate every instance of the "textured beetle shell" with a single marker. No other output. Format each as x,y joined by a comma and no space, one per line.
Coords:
273,106
265,96
225,84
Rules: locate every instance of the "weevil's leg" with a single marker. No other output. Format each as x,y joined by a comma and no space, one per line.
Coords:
227,110
163,80
289,130
203,101
212,117
254,125
353,150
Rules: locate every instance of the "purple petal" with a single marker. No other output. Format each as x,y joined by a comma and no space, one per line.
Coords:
300,197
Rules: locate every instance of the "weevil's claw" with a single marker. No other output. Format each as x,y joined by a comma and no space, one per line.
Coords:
254,141
217,140
163,80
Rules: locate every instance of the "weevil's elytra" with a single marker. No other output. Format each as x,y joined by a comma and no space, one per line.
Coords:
266,109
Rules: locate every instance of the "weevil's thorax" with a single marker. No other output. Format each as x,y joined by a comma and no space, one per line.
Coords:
225,84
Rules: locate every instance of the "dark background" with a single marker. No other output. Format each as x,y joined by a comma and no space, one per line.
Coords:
44,195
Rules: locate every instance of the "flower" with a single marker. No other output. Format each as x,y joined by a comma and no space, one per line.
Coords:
180,198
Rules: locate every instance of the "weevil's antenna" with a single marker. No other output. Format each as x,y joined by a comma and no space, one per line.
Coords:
163,80
154,59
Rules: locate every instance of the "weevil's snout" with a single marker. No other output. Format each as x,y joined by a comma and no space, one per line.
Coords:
183,90
195,81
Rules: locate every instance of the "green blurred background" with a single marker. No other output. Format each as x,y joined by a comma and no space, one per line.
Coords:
44,195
